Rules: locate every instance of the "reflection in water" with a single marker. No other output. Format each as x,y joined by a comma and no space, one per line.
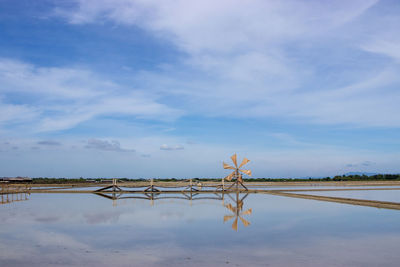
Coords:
85,230
13,197
191,196
237,211
236,208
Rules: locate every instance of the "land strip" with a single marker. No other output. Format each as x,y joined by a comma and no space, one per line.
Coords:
218,182
351,201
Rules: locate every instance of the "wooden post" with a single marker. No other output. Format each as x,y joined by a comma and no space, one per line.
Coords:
190,187
114,184
151,188
237,180
152,200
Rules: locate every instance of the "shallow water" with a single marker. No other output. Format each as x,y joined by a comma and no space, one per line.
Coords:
379,195
90,230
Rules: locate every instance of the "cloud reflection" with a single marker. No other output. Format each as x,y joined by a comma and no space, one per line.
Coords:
103,217
89,231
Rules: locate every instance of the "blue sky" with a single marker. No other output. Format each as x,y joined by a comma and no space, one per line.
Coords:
134,88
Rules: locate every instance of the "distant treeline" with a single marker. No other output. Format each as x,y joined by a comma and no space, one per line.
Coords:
377,177
45,180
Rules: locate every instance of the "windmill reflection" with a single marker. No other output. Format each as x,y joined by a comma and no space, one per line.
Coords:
237,211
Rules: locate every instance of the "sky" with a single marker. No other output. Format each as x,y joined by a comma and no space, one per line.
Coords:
146,88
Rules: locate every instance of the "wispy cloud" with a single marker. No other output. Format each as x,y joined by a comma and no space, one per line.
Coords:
49,143
106,145
256,67
17,113
389,47
61,98
167,147
366,163
197,26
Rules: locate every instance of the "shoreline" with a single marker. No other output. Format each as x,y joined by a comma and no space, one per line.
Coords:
213,183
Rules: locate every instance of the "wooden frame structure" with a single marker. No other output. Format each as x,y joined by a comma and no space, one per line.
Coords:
114,187
151,187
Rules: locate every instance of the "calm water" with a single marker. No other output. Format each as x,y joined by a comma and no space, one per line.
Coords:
90,230
380,195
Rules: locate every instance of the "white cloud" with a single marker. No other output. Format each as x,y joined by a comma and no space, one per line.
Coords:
384,46
50,83
221,26
17,113
263,59
61,98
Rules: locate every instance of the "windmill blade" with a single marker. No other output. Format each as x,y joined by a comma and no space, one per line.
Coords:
230,207
247,212
228,217
230,176
247,172
234,224
234,160
227,166
244,162
245,223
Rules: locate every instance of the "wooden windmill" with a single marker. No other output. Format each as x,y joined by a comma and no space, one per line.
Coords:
236,175
237,212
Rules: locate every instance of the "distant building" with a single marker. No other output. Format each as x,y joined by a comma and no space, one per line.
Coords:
17,179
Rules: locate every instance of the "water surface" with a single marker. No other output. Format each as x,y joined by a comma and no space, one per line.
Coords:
90,230
379,195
